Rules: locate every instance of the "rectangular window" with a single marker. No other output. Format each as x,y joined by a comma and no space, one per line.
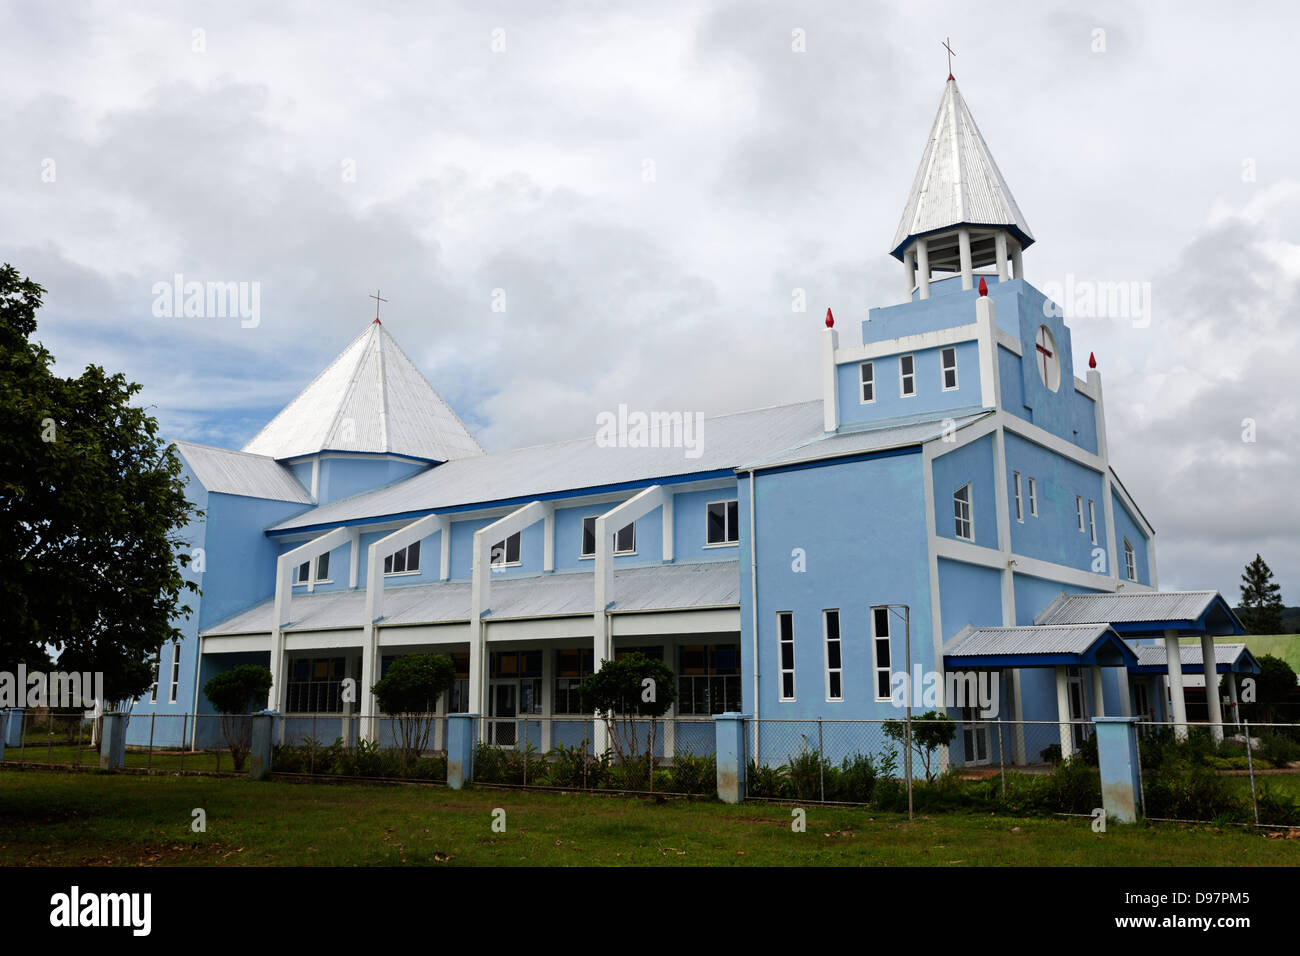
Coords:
906,375
153,688
625,540
1078,509
785,649
589,536
834,664
723,522
1130,561
1020,508
571,666
868,382
708,680
965,527
948,360
322,569
1033,498
506,552
1092,521
176,672
881,660
404,560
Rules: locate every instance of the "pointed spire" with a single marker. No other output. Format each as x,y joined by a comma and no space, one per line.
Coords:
958,183
830,319
372,398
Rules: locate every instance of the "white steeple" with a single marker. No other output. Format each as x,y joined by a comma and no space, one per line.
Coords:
960,214
372,398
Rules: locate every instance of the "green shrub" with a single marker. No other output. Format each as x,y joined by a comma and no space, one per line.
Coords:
766,781
691,774
1278,750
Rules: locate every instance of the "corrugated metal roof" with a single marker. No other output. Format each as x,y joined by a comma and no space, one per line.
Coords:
998,641
865,440
239,473
958,181
372,398
1153,655
1125,607
725,441
662,588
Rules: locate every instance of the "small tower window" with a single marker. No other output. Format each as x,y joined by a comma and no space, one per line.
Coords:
1020,507
906,375
961,513
868,382
948,359
1130,561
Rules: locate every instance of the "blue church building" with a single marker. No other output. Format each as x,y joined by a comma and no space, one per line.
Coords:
945,508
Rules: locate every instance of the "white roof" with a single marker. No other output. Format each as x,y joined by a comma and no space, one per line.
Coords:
872,438
701,585
1128,607
725,442
997,641
958,181
1154,655
372,398
239,473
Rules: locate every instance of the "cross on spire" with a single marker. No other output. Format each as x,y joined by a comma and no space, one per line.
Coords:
378,298
947,46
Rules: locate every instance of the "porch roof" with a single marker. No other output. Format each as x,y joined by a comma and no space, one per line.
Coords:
1147,613
668,587
1152,659
1071,645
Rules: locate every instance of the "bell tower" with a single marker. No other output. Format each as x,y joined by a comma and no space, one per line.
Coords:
960,215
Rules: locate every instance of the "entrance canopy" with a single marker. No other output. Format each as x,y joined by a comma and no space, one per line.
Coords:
1228,658
1062,645
1147,613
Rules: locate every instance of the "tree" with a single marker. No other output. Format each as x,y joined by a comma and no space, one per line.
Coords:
1274,685
234,693
409,692
1261,599
930,731
626,693
91,503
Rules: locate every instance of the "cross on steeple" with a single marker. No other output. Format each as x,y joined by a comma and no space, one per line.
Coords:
377,299
946,45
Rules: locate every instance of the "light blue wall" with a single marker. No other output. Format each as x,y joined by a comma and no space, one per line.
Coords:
1126,526
929,397
1054,535
968,594
974,463
344,477
857,556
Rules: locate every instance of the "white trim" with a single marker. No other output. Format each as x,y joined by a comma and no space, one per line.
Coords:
1009,342
956,550
863,382
918,342
969,519
943,370
781,669
826,652
728,542
830,381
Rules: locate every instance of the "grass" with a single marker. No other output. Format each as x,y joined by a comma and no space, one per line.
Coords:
41,751
60,818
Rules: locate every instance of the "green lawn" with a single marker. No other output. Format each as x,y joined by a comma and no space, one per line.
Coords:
65,754
49,817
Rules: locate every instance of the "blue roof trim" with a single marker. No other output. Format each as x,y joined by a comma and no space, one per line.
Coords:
505,502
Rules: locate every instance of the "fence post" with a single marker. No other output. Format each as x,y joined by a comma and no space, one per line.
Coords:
260,749
14,728
461,729
1002,763
729,730
1117,753
5,720
1250,767
112,741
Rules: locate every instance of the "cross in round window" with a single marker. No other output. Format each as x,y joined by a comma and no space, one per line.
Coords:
1047,359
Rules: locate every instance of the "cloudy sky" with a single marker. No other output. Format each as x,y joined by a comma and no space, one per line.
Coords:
644,187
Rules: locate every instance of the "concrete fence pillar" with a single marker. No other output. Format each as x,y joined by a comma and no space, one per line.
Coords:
1121,770
13,730
461,740
261,745
112,741
729,730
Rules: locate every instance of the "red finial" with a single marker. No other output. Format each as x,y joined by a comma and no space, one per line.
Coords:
1092,360
830,319
984,287
376,321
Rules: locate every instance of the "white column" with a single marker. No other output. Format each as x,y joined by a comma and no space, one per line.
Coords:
1015,261
1125,694
1211,671
670,728
830,381
1063,712
909,269
548,695
1236,701
1000,250
1176,684
1098,693
963,248
923,268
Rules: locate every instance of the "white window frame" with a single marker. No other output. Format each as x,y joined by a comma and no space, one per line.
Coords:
504,545
153,688
582,539
631,550
1092,521
906,379
781,641
944,368
838,640
319,578
866,380
727,530
969,517
1033,498
876,667
1078,510
390,560
1130,561
1020,505
175,684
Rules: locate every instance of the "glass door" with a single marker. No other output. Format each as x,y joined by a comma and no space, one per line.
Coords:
502,710
974,737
